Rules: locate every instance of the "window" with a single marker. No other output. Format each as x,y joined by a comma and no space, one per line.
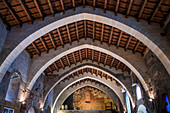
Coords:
138,93
168,105
128,103
8,110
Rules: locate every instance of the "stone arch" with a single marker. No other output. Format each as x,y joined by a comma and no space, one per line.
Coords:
90,47
64,75
68,92
88,76
84,16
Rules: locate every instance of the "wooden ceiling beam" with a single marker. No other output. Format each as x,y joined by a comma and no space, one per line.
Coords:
111,33
39,9
105,6
80,56
99,57
119,39
124,68
94,4
77,32
118,65
52,41
74,58
84,3
155,11
117,7
35,47
61,40
102,33
22,2
8,27
51,7
12,11
128,42
92,55
105,59
141,10
129,7
44,44
68,61
56,66
112,62
86,54
68,34
93,30
136,46
73,1
62,6
85,30
31,56
50,69
62,64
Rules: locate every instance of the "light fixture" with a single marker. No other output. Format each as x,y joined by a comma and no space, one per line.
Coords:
134,84
42,109
123,90
23,102
150,100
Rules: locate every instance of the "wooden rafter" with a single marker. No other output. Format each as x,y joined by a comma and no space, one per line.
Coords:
68,34
141,10
112,62
61,40
102,33
93,30
50,69
99,57
74,58
111,35
129,7
86,54
35,47
39,9
51,7
155,11
44,44
29,52
62,5
73,1
124,68
84,2
118,65
8,27
12,11
105,6
68,61
128,42
92,55
80,55
26,10
77,32
56,66
85,30
94,4
105,60
117,6
119,39
62,64
53,43
136,46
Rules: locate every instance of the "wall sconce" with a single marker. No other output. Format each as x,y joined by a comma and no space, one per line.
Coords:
123,90
134,84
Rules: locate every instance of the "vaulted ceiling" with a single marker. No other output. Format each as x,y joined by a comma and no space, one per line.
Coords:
17,12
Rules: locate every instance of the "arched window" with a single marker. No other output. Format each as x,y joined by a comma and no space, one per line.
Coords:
138,92
13,88
128,103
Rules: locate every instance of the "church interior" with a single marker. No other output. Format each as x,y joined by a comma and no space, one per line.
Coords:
84,56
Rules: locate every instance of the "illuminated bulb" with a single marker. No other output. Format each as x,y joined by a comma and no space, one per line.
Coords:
42,109
134,84
123,90
23,102
150,100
